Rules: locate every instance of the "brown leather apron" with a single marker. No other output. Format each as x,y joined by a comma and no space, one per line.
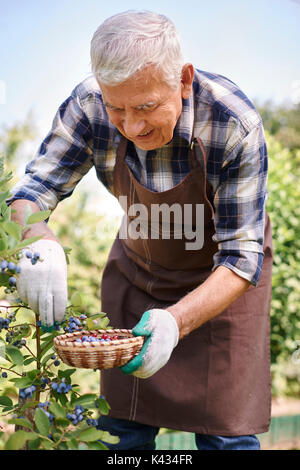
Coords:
217,380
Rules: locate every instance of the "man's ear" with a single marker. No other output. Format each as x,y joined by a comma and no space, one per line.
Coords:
187,77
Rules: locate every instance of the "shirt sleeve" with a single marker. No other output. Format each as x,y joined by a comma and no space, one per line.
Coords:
240,207
63,158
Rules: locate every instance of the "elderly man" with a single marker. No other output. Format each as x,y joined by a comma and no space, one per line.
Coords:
160,132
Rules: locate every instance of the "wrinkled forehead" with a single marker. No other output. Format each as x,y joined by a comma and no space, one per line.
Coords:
144,87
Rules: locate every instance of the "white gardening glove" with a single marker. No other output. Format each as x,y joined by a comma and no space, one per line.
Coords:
43,285
162,335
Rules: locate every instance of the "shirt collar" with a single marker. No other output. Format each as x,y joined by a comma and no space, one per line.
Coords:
185,124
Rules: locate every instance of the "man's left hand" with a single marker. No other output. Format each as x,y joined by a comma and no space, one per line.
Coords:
161,336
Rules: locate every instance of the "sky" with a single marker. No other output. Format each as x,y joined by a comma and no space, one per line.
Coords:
45,47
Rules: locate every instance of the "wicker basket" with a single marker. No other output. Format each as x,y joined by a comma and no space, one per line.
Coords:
96,355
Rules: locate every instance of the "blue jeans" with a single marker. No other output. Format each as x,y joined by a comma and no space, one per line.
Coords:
136,436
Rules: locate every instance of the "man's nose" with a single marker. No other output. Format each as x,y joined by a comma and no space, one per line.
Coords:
133,126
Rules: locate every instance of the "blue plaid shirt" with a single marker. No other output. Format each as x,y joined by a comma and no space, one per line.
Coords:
231,131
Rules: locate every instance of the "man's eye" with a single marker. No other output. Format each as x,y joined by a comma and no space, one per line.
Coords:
112,108
147,108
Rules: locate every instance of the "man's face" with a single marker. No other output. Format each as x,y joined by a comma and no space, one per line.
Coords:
144,108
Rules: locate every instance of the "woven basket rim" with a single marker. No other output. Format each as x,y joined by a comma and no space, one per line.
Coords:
67,339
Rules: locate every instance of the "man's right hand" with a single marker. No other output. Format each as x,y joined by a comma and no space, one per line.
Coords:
43,285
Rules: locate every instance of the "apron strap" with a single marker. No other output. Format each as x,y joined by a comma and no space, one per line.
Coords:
206,183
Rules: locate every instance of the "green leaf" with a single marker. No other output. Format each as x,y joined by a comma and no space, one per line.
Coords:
45,348
13,229
15,355
97,321
32,374
22,382
90,434
3,196
66,373
38,217
26,242
57,410
34,444
63,446
29,404
5,401
76,300
107,437
72,444
28,212
42,422
63,422
46,359
25,423
63,399
103,406
85,399
25,330
6,211
29,361
97,446
18,439
47,444
3,244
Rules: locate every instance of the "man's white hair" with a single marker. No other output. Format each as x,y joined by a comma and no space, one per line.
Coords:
127,42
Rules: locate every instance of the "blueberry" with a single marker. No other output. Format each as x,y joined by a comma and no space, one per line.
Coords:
27,392
28,254
54,386
36,255
4,375
3,264
53,356
12,281
62,388
11,266
45,381
18,269
33,260
56,363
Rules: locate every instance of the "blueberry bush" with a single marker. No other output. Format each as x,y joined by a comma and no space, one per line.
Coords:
283,207
37,393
